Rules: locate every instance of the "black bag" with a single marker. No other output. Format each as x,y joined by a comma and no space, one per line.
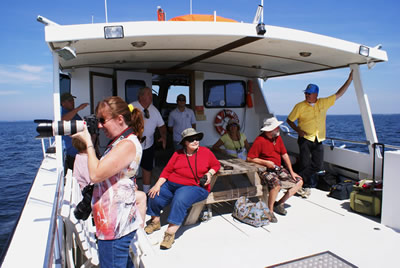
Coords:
342,190
326,181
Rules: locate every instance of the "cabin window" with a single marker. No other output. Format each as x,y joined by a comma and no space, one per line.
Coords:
132,88
174,91
65,84
224,93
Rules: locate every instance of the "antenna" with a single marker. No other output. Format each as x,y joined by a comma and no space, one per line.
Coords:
105,7
256,19
262,11
190,7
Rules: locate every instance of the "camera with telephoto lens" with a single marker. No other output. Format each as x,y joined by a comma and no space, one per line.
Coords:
92,124
203,181
48,128
83,209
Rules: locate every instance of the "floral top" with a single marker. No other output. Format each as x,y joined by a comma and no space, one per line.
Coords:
114,201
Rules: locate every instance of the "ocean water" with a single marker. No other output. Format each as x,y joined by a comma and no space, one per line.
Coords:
21,156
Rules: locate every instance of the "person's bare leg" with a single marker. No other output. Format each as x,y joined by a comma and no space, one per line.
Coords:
273,193
141,204
146,175
172,228
290,192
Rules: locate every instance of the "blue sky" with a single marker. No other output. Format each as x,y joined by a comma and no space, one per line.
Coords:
26,63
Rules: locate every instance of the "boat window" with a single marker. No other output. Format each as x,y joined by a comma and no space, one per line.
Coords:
174,91
224,93
65,84
132,88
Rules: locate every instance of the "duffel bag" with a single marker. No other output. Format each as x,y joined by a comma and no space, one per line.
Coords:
341,190
255,214
326,181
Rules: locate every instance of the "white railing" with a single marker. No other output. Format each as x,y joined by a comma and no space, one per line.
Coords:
54,247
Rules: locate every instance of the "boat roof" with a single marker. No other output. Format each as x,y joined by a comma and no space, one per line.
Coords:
221,47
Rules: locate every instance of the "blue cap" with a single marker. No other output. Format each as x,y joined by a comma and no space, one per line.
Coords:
311,88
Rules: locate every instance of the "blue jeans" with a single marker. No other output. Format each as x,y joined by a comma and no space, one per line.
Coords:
181,197
115,253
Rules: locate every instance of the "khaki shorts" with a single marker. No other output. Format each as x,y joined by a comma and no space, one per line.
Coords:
280,178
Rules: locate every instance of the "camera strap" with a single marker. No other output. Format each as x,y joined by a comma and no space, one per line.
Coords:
128,131
197,179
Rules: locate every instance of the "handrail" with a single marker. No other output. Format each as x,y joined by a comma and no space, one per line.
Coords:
52,235
293,133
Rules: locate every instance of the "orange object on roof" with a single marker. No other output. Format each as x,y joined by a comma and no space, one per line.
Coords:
199,17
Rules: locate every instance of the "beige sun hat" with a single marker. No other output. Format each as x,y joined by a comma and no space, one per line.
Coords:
190,132
270,124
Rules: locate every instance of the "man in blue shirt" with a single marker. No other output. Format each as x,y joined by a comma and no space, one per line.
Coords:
68,113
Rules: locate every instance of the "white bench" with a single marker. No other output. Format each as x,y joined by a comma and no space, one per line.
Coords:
80,240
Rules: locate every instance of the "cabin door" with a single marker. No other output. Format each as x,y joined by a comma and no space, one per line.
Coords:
101,86
129,83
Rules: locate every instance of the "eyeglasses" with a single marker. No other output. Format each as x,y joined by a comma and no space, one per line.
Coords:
146,113
181,99
103,121
192,139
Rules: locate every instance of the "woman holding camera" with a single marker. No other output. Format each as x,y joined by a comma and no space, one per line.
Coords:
114,200
184,181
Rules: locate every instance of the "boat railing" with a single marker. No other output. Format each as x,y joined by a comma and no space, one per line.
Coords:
332,140
50,145
53,255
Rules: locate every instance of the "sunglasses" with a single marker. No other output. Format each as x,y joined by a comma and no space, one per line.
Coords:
146,113
181,99
192,139
103,121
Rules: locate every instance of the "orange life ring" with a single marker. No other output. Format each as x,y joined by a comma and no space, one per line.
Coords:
222,118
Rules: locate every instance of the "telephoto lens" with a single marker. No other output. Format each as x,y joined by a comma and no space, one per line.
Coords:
83,209
49,128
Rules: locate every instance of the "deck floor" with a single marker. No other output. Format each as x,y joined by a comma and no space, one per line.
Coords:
312,225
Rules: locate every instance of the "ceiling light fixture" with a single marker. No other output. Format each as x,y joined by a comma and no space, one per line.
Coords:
138,44
67,53
305,54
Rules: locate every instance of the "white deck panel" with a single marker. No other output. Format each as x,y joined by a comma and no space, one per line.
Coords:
312,225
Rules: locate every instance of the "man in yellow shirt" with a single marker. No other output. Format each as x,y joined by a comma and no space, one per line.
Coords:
311,117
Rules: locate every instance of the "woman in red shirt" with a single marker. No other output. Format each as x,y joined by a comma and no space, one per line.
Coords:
184,181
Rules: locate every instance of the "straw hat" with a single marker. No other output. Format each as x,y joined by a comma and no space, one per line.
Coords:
270,124
190,132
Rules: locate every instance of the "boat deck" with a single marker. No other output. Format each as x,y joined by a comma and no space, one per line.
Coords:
312,225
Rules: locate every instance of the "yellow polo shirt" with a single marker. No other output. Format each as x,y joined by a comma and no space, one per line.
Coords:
311,119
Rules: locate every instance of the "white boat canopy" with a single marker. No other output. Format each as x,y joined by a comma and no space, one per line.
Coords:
194,45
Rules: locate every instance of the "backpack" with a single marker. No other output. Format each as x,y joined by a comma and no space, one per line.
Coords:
254,214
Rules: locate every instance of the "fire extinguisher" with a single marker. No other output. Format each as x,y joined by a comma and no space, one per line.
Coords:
249,100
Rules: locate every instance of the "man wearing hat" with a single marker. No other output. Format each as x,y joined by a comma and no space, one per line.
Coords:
311,117
180,119
268,150
68,113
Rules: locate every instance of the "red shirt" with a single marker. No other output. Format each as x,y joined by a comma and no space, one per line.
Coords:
265,149
178,170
